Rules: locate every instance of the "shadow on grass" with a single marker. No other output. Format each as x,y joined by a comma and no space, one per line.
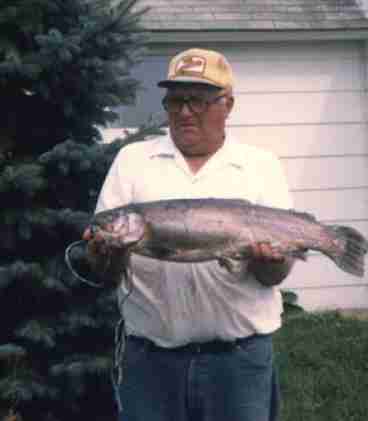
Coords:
323,366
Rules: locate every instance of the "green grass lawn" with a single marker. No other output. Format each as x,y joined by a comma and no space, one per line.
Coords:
323,366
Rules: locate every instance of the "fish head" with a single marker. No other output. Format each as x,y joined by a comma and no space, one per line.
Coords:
120,229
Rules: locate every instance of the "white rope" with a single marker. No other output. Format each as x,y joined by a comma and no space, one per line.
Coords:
70,266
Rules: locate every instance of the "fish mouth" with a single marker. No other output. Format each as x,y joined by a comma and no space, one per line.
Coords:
121,231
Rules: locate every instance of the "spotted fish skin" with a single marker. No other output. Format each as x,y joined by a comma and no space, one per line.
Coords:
196,230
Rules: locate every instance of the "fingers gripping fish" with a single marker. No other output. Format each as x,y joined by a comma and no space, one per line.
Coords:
119,236
226,230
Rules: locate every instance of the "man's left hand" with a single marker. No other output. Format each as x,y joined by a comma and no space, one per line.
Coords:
269,266
265,251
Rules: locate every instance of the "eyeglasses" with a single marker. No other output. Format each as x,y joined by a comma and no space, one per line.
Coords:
196,104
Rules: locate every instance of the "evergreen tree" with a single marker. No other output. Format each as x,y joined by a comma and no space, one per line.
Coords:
63,65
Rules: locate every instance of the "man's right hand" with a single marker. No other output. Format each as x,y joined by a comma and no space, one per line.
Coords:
104,259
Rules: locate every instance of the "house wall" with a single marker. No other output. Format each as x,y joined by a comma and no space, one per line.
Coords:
307,103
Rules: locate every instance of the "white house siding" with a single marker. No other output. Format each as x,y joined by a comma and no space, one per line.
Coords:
307,103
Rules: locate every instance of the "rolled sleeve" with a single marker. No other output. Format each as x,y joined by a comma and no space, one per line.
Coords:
117,189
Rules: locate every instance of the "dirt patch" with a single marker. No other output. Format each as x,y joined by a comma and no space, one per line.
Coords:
361,314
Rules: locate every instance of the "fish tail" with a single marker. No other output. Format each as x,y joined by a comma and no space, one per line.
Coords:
350,256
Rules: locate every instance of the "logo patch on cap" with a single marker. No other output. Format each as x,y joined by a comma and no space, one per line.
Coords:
191,65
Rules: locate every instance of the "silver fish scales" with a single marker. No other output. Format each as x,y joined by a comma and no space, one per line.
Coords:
195,230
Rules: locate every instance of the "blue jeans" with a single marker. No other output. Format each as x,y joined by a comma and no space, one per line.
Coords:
237,384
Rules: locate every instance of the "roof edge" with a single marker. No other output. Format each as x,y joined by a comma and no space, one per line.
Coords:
225,36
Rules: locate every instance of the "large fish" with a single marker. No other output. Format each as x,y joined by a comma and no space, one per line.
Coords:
196,230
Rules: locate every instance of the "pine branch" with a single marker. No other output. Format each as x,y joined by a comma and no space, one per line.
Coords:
80,374
11,351
82,365
37,332
56,285
67,158
72,324
26,387
5,278
25,179
21,272
52,229
122,12
72,166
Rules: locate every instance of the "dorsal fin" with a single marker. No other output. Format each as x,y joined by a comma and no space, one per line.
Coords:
305,215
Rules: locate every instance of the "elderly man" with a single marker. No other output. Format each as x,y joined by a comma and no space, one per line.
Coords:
199,339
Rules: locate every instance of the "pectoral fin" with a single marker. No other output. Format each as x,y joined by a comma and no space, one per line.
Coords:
233,266
300,254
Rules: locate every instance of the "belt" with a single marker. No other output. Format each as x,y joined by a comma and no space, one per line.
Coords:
211,347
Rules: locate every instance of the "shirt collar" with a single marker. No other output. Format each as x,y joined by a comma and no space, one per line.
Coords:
163,146
230,153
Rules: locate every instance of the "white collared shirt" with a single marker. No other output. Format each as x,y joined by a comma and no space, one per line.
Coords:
175,303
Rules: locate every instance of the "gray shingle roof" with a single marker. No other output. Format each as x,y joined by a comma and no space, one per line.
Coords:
245,15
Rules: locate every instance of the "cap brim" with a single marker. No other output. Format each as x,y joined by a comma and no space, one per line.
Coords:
187,79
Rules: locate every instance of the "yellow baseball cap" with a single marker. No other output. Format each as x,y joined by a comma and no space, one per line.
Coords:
199,66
